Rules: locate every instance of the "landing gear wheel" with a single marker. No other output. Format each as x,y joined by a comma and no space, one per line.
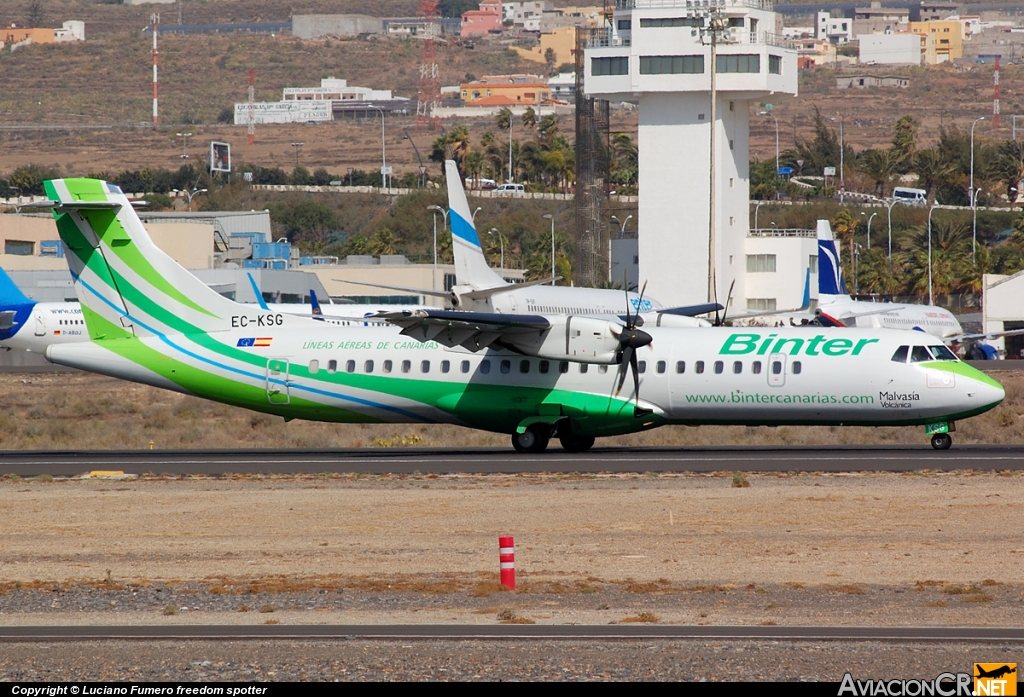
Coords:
532,440
576,444
942,441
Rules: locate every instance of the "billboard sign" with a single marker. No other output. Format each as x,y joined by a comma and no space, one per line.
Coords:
220,157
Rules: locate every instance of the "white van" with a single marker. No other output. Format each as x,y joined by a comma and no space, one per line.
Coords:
510,189
911,197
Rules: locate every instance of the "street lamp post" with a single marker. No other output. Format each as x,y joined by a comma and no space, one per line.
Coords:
756,207
191,194
974,201
435,210
297,146
383,149
622,225
478,209
552,219
184,139
869,227
768,112
931,298
856,256
501,241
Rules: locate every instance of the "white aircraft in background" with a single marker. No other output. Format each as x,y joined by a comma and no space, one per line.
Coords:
479,288
837,309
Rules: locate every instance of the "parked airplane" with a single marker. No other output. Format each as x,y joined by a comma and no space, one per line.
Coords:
532,376
480,288
837,309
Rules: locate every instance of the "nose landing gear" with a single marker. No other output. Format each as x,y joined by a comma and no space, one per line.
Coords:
942,441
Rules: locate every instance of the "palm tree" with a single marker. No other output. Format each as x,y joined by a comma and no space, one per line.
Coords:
503,119
530,118
1009,167
383,242
882,166
931,169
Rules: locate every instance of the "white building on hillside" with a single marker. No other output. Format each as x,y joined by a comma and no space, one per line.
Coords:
335,89
654,55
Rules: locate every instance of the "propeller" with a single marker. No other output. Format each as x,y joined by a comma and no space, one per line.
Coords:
631,339
720,321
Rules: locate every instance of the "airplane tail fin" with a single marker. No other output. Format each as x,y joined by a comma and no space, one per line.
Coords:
806,304
317,312
127,285
470,264
257,293
831,285
10,294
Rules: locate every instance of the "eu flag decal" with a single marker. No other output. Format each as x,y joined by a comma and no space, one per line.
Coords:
250,341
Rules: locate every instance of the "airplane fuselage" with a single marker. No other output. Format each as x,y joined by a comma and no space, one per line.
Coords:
688,376
933,320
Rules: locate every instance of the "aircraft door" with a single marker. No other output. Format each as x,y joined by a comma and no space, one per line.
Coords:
278,382
40,323
777,369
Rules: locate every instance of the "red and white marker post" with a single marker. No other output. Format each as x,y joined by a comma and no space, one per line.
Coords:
507,556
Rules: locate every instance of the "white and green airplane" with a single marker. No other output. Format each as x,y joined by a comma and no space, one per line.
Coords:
531,376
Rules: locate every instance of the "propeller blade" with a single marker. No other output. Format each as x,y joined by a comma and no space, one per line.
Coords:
627,353
636,376
728,299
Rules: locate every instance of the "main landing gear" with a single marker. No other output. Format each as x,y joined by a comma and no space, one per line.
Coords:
536,437
942,441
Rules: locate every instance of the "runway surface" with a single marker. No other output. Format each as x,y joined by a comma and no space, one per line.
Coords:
510,631
501,461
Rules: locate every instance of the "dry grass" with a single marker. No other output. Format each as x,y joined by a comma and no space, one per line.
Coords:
510,616
642,618
50,412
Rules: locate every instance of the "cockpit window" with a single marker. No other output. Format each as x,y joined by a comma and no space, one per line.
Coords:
901,354
942,353
919,354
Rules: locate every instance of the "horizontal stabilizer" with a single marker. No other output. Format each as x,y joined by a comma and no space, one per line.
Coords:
691,310
420,291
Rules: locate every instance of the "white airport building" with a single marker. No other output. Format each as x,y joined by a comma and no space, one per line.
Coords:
657,55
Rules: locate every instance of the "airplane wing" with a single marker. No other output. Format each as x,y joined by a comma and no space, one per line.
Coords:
691,310
421,291
983,336
474,331
487,292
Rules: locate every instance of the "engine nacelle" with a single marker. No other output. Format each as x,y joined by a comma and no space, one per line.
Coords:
573,338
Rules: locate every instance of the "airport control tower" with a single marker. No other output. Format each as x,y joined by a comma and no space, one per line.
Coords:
658,54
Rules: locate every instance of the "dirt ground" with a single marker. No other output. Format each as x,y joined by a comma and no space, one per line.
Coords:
844,538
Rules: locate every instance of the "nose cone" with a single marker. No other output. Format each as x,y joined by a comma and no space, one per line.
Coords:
988,392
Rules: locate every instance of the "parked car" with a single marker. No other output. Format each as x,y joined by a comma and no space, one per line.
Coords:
511,189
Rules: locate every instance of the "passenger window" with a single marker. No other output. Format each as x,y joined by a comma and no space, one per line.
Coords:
387,366
737,367
901,354
661,366
755,367
583,367
485,366
424,366
797,367
446,366
563,367
368,367
524,366
406,366
314,366
641,367
919,354
464,367
544,367
942,353
719,367
776,367
350,366
699,367
680,366
332,366
506,367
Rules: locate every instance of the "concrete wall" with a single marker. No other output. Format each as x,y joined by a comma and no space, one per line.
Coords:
320,26
786,284
890,49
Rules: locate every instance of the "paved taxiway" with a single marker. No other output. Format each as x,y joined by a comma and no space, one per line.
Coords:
510,631
495,461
